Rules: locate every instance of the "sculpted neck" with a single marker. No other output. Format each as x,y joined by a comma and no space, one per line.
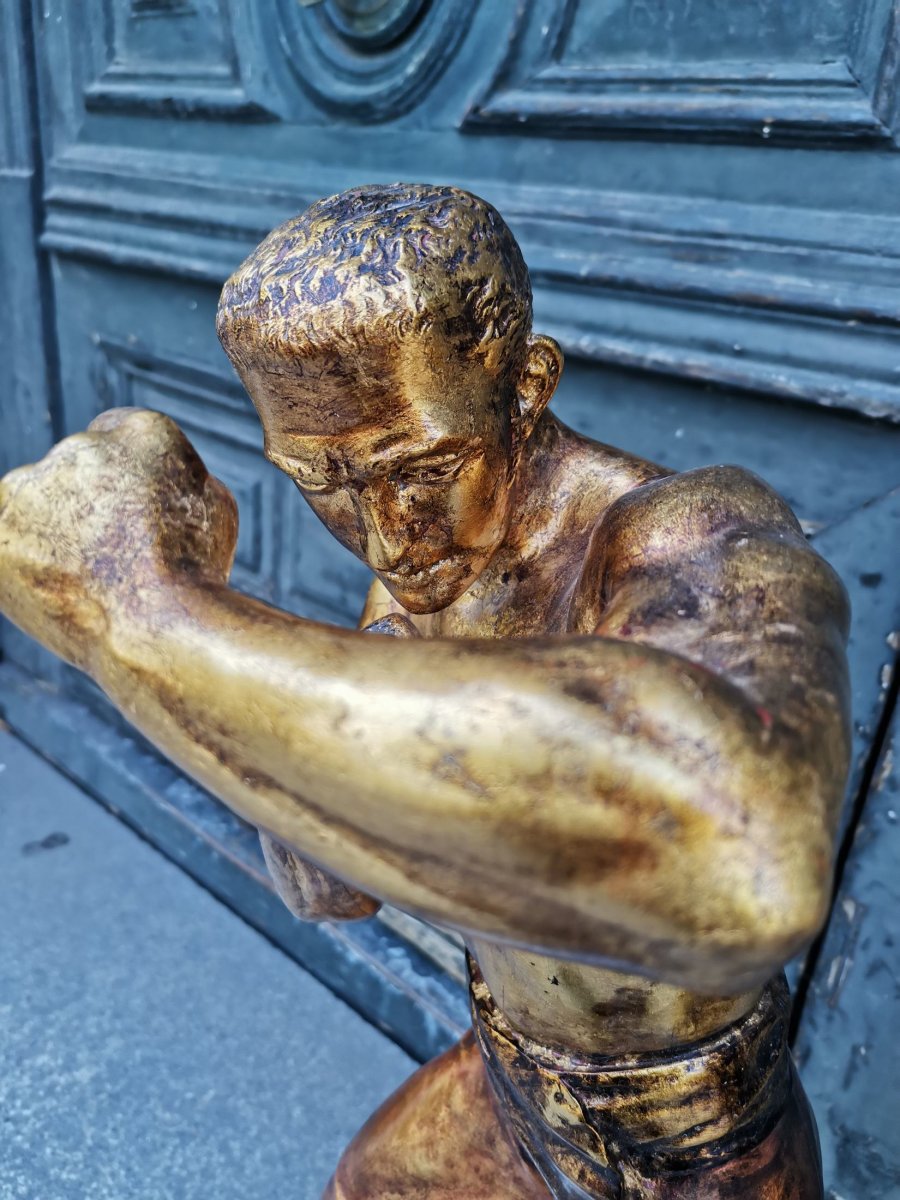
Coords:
564,485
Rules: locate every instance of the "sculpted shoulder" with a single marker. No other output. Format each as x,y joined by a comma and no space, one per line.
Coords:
684,512
716,543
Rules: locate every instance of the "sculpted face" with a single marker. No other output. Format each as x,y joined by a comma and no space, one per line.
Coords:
405,453
383,335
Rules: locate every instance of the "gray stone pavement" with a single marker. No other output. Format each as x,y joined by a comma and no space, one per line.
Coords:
152,1045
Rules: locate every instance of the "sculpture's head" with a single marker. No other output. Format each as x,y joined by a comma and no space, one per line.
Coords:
385,338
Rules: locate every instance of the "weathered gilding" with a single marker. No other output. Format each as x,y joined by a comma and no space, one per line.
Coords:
608,745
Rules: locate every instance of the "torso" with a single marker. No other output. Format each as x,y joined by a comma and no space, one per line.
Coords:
529,590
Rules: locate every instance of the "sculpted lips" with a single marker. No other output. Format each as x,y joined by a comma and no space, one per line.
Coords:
420,575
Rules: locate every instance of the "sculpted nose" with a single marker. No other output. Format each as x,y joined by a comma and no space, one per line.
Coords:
384,538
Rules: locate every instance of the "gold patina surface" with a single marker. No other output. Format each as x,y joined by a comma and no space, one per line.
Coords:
608,737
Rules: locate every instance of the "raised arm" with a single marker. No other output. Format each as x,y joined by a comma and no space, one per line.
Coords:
594,796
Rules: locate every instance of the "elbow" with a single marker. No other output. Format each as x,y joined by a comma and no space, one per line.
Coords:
758,915
801,869
782,891
751,949
791,900
795,920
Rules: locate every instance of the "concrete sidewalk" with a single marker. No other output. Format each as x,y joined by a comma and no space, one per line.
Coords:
152,1045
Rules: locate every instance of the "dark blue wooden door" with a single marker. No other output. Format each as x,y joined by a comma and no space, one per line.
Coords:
707,193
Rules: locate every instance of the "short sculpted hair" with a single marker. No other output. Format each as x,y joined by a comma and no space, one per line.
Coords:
376,263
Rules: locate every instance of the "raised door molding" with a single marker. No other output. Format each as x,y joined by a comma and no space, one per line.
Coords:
782,301
170,57
845,93
786,299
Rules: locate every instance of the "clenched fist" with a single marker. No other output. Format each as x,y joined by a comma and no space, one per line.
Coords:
108,518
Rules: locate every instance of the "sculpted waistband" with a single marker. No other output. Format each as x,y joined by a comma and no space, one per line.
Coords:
587,1120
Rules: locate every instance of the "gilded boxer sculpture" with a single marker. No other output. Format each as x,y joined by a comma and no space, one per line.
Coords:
607,741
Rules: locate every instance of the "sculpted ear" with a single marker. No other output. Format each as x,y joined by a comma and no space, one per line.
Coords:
537,383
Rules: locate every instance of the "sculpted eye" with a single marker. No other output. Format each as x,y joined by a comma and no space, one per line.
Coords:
433,470
299,472
315,487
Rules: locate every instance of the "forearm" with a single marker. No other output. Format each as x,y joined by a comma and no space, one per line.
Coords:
562,794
